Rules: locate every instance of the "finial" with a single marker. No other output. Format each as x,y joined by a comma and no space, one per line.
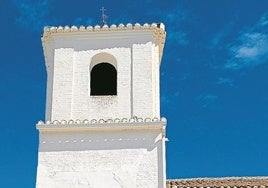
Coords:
104,17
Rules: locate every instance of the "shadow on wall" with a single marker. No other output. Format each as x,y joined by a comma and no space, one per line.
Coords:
97,44
99,141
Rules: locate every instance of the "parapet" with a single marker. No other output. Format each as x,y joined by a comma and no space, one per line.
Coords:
158,30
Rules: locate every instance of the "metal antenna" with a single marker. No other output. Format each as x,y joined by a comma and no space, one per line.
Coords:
104,17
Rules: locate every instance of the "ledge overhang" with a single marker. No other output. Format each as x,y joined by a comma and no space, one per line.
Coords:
104,126
157,30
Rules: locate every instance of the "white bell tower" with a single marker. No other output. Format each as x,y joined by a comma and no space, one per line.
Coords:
103,126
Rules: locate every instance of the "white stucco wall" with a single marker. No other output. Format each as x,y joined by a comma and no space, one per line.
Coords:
127,150
100,159
69,82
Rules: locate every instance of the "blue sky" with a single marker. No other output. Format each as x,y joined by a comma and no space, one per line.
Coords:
214,86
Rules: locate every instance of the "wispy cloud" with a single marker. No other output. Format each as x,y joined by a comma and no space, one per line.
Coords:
222,34
251,47
225,81
33,15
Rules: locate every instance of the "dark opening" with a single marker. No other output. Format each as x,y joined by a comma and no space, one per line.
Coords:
103,80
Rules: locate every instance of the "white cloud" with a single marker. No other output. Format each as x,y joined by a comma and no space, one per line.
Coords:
264,19
247,52
33,15
251,47
254,45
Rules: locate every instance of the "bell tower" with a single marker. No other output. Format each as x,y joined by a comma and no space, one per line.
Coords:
103,126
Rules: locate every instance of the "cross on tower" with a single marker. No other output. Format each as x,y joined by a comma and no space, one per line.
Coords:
104,16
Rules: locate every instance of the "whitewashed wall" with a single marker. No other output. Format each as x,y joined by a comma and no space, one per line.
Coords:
114,157
100,159
68,65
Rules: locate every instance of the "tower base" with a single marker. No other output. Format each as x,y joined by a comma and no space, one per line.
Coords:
102,155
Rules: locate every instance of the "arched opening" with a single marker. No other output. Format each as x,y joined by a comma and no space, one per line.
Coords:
103,79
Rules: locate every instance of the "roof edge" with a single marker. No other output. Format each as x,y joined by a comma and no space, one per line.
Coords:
219,182
129,26
158,30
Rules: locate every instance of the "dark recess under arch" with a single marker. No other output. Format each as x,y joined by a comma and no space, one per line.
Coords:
103,79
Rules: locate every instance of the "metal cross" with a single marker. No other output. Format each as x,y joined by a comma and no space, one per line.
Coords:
104,17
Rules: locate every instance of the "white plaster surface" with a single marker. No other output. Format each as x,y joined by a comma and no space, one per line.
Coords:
68,61
101,159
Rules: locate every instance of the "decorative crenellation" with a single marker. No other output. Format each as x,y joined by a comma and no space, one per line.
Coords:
66,29
158,29
103,121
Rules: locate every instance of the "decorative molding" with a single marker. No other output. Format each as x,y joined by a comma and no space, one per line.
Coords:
67,29
158,30
103,121
94,124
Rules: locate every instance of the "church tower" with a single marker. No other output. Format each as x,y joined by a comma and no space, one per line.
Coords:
103,126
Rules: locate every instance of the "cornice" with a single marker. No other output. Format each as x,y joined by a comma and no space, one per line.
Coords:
159,33
48,30
102,124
